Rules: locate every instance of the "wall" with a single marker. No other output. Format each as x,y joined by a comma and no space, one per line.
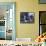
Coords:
27,30
24,30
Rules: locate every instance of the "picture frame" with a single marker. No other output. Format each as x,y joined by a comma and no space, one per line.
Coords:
26,17
42,1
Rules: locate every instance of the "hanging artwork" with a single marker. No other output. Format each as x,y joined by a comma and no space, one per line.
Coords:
26,17
42,1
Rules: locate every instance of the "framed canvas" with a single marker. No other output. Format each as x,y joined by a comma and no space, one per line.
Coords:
42,1
26,17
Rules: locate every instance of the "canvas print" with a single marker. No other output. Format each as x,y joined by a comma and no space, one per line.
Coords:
26,17
42,1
